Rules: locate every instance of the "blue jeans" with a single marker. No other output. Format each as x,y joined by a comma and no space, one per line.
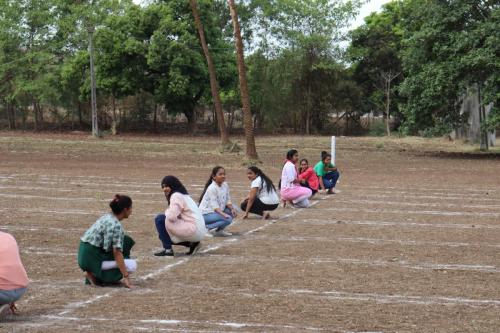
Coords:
9,296
163,234
216,221
330,179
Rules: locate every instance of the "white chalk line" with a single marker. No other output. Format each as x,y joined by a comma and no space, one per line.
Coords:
417,212
175,322
363,188
308,221
313,239
414,196
150,184
390,298
421,189
39,228
357,296
361,262
139,192
337,200
416,204
77,190
398,224
77,305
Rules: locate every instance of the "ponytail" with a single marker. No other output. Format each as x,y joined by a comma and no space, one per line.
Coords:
209,181
267,181
119,203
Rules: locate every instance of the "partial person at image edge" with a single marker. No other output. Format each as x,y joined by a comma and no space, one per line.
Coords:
13,278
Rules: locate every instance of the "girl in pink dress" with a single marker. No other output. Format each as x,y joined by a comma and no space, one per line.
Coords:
290,188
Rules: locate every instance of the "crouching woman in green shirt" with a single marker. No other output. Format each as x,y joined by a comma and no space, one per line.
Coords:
105,249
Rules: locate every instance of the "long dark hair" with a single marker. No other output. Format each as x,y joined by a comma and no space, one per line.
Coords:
268,182
119,203
175,186
209,181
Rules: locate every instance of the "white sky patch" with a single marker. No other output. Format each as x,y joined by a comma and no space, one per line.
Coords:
366,9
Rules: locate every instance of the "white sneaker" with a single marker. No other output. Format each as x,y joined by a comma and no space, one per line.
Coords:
209,233
222,233
334,190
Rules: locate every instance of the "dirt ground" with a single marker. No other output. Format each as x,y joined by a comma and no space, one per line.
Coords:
411,244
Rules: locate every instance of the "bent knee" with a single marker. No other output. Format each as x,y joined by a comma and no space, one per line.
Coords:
160,218
131,265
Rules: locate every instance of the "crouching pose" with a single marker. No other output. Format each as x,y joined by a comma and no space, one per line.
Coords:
308,177
105,248
13,278
262,197
290,184
182,223
215,203
327,173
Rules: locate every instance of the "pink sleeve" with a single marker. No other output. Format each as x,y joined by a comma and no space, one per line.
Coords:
175,208
306,174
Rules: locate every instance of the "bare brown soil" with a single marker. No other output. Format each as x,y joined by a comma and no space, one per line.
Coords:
411,244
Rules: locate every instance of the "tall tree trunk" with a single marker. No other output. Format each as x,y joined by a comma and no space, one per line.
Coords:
231,119
483,135
11,115
251,150
214,84
35,113
80,120
155,117
308,111
93,97
387,106
114,124
191,117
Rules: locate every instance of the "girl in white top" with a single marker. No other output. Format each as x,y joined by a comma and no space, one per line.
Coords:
215,203
262,197
290,185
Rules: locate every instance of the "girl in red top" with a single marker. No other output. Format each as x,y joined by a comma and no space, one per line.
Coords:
308,177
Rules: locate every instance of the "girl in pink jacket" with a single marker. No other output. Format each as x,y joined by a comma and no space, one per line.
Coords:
182,223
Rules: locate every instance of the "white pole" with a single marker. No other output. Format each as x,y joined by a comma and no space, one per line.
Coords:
333,150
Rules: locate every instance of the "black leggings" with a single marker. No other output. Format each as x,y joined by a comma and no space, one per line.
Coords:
258,207
306,184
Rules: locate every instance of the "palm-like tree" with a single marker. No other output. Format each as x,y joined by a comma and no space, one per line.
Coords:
251,150
214,84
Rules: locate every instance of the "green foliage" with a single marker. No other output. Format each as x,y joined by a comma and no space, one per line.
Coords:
377,129
375,49
449,46
298,75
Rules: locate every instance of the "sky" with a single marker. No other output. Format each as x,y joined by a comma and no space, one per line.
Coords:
370,6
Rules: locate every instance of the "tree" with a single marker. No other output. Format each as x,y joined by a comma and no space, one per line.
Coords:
384,85
449,47
251,150
214,84
375,52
